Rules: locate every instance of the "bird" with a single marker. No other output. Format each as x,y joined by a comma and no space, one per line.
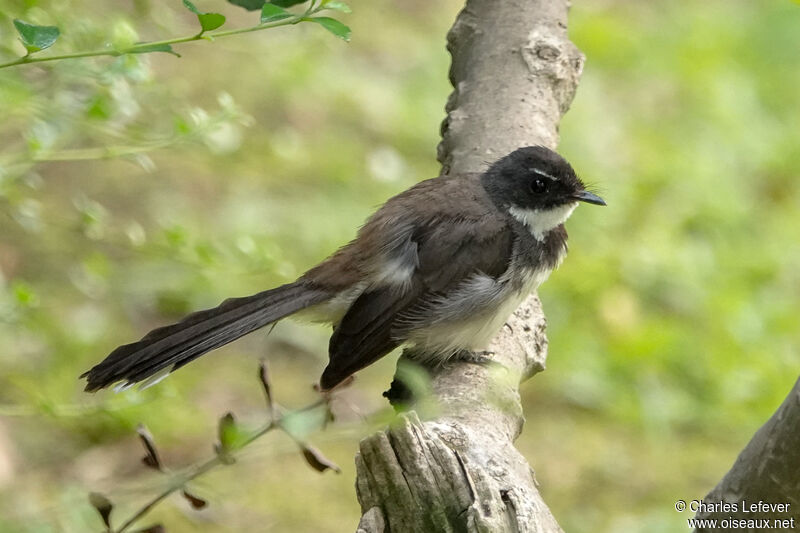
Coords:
438,268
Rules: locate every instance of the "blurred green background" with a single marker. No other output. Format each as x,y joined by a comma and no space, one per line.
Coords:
672,324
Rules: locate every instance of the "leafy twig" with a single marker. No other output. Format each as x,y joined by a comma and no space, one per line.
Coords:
152,46
36,38
232,440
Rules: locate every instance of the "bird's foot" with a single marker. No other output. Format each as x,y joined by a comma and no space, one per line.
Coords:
399,395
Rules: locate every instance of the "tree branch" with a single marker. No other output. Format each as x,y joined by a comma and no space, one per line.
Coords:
766,470
514,74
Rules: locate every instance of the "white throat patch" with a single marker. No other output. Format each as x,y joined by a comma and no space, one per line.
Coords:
541,221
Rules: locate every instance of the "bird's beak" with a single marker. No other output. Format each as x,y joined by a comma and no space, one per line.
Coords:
588,197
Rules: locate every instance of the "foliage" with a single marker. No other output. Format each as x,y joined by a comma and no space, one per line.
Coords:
672,321
36,38
232,439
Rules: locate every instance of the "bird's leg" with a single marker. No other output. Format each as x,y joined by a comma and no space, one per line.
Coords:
400,396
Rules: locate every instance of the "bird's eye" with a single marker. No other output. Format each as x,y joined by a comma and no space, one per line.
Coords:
538,186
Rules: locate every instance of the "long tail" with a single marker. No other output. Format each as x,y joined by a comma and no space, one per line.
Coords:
171,347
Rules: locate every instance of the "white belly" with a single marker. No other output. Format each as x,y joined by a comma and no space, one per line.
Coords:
483,319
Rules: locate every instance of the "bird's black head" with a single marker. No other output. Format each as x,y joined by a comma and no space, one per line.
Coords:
536,178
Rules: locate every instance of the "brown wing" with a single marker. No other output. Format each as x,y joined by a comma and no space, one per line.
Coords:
449,249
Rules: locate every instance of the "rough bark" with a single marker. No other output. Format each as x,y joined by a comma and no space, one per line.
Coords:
766,470
514,74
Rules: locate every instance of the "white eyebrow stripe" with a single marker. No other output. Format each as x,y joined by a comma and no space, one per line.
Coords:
543,173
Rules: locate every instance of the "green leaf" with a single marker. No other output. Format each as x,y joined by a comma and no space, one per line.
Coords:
191,7
231,436
333,26
337,6
35,37
300,424
271,13
146,49
287,3
250,5
211,21
208,21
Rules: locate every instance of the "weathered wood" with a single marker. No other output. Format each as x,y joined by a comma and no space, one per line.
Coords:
768,470
459,471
